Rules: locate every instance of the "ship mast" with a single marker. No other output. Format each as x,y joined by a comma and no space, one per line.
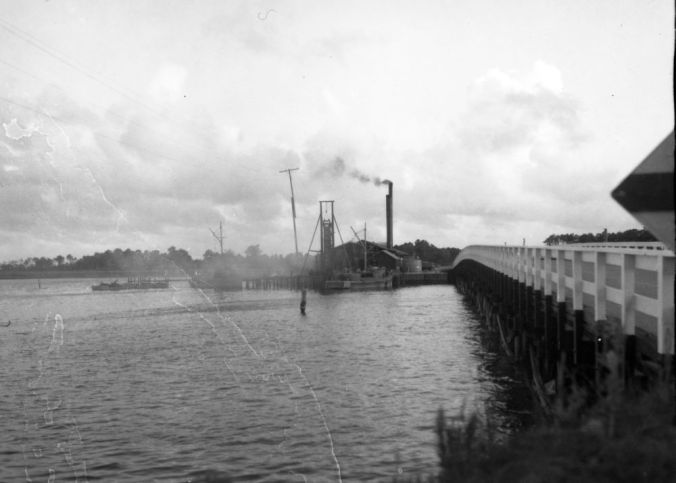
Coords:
363,243
293,206
218,238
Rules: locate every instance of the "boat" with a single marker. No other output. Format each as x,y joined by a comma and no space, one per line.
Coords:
376,279
336,264
132,284
108,286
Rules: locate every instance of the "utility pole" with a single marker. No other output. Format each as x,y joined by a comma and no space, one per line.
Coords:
293,206
218,238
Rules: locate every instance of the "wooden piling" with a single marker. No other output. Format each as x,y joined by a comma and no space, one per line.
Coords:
535,299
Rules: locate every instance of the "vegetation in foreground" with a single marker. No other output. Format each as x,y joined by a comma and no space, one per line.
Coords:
630,439
621,430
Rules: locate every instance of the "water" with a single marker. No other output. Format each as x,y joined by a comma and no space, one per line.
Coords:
167,385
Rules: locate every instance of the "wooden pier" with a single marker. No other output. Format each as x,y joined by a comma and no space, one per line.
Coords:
572,303
298,282
408,279
281,282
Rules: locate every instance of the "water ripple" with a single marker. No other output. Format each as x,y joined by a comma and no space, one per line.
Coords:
174,386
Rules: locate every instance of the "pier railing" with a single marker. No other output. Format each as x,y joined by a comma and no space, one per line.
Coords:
627,283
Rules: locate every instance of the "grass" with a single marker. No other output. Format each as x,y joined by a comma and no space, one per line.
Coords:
632,441
616,431
613,433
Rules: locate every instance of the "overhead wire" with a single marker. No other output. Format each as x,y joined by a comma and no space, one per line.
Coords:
134,98
40,111
126,92
23,71
130,121
97,133
37,110
26,37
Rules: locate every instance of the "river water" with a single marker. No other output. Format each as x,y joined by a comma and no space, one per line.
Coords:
185,385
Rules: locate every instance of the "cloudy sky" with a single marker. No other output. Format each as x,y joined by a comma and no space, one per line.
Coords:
143,124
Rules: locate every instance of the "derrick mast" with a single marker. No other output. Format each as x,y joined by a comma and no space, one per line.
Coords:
326,220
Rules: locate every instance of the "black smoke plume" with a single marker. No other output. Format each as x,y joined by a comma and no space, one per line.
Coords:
339,168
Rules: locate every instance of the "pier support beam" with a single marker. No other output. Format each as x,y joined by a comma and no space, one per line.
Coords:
561,316
552,306
551,337
578,331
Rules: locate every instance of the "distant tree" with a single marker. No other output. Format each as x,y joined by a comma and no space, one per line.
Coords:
13,265
253,251
551,240
43,263
59,260
622,236
429,253
180,257
587,238
109,260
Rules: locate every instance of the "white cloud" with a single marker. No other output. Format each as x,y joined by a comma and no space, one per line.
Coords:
515,155
14,131
547,77
483,125
168,85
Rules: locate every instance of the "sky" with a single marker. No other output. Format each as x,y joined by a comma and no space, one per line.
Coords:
144,124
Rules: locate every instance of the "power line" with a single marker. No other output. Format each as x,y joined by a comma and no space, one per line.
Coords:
120,117
25,72
96,133
28,38
125,92
38,78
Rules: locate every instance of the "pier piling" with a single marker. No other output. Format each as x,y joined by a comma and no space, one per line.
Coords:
551,305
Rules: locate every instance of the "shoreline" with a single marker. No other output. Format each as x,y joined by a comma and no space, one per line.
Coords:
46,274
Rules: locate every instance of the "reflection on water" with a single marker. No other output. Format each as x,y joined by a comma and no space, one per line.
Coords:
176,384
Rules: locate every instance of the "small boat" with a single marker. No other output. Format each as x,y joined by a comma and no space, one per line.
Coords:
378,279
335,266
132,284
109,286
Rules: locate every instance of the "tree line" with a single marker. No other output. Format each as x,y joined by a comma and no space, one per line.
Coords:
254,259
429,253
178,259
633,235
153,261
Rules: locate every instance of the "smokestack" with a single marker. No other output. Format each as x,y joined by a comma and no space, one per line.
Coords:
388,213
